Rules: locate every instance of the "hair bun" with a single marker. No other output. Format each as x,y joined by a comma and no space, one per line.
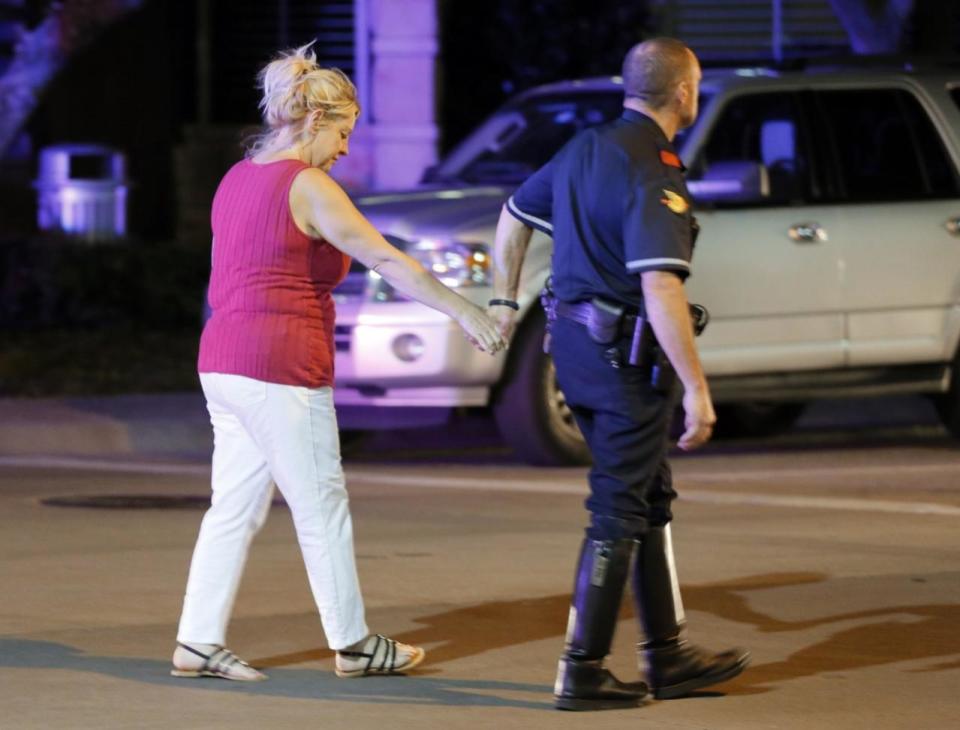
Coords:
283,100
300,66
294,85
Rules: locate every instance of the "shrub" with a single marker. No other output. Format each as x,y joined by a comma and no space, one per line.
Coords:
54,283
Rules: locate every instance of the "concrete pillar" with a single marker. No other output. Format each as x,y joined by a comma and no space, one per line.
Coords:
404,49
396,137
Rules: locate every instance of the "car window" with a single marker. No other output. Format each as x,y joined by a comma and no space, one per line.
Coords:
522,136
760,132
941,178
885,146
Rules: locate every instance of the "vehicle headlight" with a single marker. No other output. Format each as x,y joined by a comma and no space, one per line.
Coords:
454,263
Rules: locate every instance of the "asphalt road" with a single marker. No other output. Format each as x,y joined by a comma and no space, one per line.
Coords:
830,553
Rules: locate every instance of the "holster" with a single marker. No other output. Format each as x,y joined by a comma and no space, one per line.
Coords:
604,320
624,333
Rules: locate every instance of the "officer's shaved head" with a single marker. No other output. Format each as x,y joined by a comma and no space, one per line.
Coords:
652,70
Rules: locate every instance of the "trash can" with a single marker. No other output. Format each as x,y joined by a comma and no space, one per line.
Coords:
82,191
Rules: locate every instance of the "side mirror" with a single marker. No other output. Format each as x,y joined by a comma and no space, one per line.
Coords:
732,182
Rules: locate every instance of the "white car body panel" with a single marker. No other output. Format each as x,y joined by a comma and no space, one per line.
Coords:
772,301
901,269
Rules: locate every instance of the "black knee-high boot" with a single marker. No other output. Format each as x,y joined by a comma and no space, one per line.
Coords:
582,681
675,666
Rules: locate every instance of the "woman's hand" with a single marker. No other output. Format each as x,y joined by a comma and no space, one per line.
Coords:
480,329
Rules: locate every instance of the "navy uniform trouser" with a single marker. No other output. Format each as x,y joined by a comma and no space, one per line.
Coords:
626,424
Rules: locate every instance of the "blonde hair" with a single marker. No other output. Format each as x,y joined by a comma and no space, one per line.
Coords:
294,86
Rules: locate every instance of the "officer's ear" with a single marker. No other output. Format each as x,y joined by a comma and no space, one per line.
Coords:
686,85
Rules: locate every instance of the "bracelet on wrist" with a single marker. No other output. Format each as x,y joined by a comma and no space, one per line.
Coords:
504,303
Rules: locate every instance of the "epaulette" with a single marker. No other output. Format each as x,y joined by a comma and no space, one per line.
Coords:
670,159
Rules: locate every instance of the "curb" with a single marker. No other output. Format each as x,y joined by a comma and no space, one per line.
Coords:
170,424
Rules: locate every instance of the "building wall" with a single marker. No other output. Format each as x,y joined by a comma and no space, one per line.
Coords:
396,139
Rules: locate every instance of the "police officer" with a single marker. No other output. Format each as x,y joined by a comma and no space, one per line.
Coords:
615,202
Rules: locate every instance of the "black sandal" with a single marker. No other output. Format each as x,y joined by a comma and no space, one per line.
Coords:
386,650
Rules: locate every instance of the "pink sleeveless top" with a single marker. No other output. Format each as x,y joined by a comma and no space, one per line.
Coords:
269,284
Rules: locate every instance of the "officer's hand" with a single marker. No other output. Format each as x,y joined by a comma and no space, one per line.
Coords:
505,318
699,418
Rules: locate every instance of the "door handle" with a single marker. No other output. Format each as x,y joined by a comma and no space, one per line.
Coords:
807,233
953,225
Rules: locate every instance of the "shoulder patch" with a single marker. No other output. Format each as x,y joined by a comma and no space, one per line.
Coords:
675,202
669,159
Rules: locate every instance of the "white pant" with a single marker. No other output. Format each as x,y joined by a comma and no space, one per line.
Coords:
265,432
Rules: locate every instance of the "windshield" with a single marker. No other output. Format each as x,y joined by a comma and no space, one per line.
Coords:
520,137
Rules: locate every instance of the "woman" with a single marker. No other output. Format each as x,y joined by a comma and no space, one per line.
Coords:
284,233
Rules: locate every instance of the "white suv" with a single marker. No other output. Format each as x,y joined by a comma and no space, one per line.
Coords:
829,255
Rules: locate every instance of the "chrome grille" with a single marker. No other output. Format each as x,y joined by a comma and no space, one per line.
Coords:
353,287
342,334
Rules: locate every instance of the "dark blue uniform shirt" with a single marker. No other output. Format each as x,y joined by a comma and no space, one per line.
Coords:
616,204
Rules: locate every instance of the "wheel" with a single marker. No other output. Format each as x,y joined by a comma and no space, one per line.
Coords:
756,418
351,441
948,404
530,409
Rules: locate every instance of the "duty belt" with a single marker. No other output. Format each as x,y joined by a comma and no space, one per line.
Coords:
627,337
623,331
586,314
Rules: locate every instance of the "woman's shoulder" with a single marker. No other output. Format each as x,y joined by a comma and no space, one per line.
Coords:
314,181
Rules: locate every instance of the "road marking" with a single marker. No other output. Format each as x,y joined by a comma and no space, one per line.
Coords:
829,503
578,487
83,464
825,472
690,495
147,467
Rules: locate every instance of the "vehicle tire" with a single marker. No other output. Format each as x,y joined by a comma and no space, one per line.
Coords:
756,419
529,407
948,404
351,441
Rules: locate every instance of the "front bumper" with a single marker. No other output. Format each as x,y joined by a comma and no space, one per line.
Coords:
450,371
